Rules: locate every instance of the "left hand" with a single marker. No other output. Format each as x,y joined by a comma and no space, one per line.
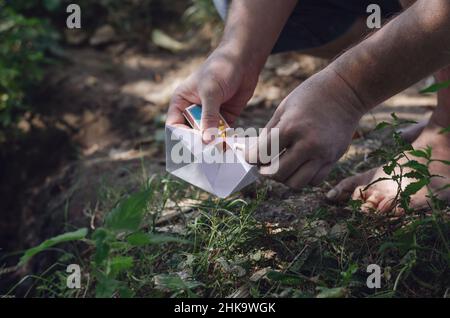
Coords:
316,123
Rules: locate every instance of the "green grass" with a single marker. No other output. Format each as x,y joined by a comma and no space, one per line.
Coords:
223,246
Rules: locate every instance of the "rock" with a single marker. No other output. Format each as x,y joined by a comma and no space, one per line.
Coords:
103,35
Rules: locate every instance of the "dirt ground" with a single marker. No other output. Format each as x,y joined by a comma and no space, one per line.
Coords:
105,109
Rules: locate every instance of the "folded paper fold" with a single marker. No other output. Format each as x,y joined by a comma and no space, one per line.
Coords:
204,166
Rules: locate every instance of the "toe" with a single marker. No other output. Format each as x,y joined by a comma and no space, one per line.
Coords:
387,205
344,189
372,202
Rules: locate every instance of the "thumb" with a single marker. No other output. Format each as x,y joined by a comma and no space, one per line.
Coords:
211,100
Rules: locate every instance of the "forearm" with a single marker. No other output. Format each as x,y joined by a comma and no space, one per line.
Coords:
410,47
252,28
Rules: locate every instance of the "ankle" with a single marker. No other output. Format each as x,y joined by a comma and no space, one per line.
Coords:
435,129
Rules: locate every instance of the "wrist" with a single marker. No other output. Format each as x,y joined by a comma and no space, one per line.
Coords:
244,55
358,99
340,91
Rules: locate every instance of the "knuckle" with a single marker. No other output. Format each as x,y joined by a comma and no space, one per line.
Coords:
289,130
210,88
314,148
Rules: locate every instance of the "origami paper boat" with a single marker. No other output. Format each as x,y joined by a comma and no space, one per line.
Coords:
207,166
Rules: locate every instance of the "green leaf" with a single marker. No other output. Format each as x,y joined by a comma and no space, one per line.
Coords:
106,286
125,292
413,175
436,87
120,263
337,292
382,125
138,239
129,214
66,237
389,168
413,164
102,247
285,279
415,187
348,274
420,154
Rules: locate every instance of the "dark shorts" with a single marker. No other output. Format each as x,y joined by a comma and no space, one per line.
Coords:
315,23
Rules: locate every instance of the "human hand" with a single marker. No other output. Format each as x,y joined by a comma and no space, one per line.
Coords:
224,83
316,124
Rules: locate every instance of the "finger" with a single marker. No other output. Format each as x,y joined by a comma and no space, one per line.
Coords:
274,120
387,205
276,117
177,105
399,211
232,108
372,203
344,189
252,154
282,167
321,175
211,97
269,145
304,174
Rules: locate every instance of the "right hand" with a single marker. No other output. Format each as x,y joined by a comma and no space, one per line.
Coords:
222,84
316,122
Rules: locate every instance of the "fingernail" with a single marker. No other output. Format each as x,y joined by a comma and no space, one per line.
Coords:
332,194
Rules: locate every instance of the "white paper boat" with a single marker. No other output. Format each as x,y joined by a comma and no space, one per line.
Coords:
200,165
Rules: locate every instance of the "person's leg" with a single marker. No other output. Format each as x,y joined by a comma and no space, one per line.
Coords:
381,195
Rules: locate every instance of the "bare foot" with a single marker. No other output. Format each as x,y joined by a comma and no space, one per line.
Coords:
380,196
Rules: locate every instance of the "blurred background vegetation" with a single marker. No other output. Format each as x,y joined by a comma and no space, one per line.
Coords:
31,32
